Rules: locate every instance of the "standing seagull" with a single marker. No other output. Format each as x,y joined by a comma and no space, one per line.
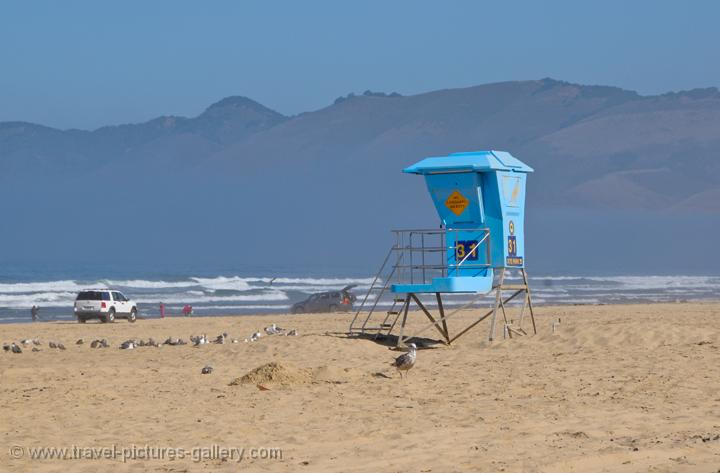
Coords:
405,361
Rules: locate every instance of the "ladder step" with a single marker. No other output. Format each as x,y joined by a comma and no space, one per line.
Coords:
393,312
513,286
402,301
386,325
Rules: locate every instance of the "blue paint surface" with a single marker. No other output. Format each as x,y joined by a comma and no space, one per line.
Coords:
473,193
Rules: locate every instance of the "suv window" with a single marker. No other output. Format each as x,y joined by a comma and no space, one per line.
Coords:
93,296
89,296
335,295
325,296
117,296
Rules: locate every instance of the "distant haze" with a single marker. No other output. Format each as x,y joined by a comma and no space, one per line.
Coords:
623,182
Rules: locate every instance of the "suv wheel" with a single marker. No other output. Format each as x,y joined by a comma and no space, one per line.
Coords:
110,317
81,319
299,309
133,315
333,307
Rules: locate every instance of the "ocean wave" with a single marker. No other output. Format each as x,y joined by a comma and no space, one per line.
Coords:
195,298
43,299
146,284
47,286
638,282
314,289
234,283
324,281
244,307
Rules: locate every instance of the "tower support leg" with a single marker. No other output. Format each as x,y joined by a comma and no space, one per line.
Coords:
498,301
400,341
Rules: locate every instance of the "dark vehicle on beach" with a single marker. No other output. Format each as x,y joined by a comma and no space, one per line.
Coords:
331,301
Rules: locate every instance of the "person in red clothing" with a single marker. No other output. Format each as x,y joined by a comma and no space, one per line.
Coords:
187,310
162,310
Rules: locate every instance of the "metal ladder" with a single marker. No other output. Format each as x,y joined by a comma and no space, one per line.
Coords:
379,288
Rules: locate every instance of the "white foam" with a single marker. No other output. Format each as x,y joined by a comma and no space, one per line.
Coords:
194,298
324,281
145,284
310,289
48,286
234,283
244,307
639,282
42,299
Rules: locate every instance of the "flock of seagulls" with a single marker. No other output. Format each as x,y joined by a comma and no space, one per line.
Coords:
30,342
402,363
131,344
272,330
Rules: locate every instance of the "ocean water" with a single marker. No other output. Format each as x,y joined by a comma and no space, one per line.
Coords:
252,292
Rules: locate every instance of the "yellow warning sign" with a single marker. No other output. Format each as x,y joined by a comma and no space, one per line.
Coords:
456,203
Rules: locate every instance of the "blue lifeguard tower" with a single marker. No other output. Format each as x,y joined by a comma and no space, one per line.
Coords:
480,199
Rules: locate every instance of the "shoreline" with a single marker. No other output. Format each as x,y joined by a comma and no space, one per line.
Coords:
141,317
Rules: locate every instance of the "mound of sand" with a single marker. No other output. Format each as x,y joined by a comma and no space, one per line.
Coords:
275,373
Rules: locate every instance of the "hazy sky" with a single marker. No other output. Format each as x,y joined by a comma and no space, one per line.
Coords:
84,64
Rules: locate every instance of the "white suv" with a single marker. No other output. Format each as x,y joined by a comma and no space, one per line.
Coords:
104,304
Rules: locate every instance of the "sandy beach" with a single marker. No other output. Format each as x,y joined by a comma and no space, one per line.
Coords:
631,388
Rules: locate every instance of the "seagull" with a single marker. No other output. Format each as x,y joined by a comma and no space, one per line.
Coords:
52,345
80,341
128,345
273,329
61,346
95,344
6,347
220,339
199,340
405,361
152,343
36,342
207,370
27,341
255,336
292,333
15,348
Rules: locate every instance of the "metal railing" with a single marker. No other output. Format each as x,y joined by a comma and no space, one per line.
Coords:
425,254
419,255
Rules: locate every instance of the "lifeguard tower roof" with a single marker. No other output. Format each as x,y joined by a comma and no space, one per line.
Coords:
472,161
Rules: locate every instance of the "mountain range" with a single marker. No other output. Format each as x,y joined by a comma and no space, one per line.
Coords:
599,153
593,146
